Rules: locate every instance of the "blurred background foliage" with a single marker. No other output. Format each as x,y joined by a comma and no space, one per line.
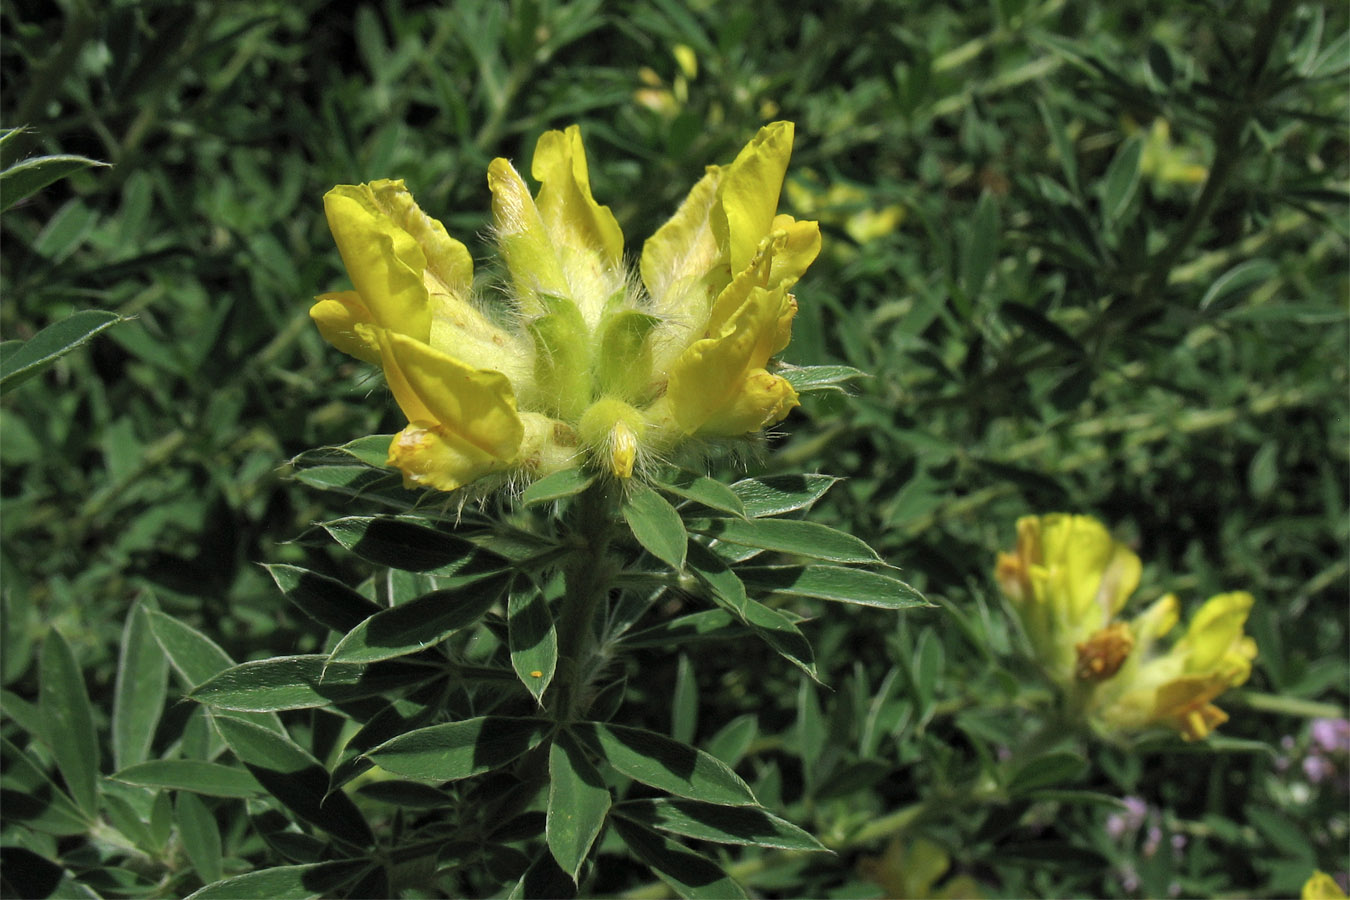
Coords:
1093,255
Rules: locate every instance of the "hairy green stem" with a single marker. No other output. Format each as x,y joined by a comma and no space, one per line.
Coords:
589,576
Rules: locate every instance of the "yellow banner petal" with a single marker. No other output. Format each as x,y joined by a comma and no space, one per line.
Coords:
750,189
385,262
569,211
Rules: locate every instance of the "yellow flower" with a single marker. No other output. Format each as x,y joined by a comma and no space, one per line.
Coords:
1321,886
913,869
581,364
1067,582
1174,689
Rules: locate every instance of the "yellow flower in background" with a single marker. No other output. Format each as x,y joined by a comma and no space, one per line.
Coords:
844,205
582,363
912,869
1321,886
1069,579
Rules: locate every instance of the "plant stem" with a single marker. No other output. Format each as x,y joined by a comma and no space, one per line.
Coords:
589,575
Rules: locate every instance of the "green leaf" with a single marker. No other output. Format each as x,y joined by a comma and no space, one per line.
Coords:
769,624
980,247
707,624
1038,324
1239,279
197,659
458,750
688,874
805,379
578,802
42,807
295,778
19,363
402,544
668,765
566,483
325,600
24,179
287,882
200,836
720,824
1048,770
419,623
1121,181
198,776
781,493
656,525
305,682
834,583
68,721
684,702
1059,136
142,685
532,639
704,490
788,536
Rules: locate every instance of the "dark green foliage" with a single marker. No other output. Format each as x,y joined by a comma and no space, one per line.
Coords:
1088,256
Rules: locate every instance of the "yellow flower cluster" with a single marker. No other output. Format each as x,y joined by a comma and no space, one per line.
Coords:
583,363
1068,580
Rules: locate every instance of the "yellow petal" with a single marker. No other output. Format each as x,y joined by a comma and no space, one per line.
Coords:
344,322
447,260
1216,633
719,386
678,258
475,407
433,456
750,189
569,211
385,262
1321,886
525,242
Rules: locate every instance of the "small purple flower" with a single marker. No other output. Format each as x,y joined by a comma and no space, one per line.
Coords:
1331,735
1152,842
1122,823
1317,769
1178,842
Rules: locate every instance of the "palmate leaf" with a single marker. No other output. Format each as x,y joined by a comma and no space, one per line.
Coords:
305,682
198,776
701,489
688,874
21,360
656,525
532,639
68,721
196,658
420,623
727,591
566,483
578,802
23,179
805,379
409,545
305,882
781,493
295,778
788,536
838,583
142,684
325,600
668,765
720,824
458,750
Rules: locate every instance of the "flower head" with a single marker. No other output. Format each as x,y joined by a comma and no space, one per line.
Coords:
1069,579
583,363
